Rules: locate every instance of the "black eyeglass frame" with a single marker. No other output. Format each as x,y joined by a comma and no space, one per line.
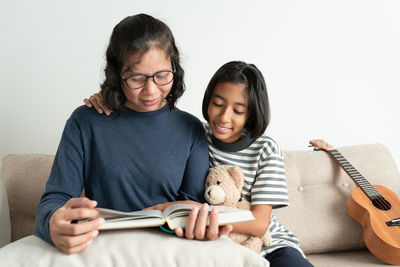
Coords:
173,71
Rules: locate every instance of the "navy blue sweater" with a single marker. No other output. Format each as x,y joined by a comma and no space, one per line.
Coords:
127,163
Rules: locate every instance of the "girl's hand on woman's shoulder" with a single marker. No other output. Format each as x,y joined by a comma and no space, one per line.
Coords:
96,101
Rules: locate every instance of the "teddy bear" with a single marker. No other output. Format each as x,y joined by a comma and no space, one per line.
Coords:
223,187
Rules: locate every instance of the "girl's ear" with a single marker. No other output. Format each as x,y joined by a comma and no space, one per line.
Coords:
237,175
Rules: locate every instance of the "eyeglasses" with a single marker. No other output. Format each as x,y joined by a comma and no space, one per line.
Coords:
160,78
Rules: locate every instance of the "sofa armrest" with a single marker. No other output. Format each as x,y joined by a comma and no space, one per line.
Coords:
24,177
5,225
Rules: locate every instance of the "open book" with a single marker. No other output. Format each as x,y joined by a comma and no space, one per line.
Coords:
172,217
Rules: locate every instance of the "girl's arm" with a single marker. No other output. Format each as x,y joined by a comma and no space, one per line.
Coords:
262,214
271,168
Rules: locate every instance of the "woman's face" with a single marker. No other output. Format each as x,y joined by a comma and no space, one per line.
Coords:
151,96
228,111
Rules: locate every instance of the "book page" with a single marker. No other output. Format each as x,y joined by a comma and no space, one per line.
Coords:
135,223
114,215
175,215
178,214
225,209
179,210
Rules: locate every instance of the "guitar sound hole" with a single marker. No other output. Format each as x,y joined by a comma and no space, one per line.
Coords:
381,203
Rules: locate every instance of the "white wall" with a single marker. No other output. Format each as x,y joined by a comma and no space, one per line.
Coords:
332,67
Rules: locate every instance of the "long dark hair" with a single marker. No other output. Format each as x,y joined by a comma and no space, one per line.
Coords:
252,78
136,35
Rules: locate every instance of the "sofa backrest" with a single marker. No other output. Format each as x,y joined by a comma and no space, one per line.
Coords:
319,190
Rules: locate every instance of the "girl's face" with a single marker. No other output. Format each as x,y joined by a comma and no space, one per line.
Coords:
228,111
151,96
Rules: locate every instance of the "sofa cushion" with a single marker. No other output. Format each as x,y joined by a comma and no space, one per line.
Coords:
346,259
318,192
25,177
145,247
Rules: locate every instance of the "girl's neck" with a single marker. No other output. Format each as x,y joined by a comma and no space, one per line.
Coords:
242,143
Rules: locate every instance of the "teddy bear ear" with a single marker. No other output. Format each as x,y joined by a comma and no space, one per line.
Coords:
237,175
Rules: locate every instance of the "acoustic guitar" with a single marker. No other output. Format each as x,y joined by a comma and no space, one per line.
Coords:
375,207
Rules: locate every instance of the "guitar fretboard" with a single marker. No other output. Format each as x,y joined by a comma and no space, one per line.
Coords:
365,186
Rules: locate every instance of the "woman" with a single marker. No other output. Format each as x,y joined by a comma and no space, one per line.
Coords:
148,153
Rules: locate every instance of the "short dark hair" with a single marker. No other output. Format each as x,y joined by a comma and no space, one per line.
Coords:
252,78
136,35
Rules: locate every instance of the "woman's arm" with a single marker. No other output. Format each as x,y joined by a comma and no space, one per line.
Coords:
61,204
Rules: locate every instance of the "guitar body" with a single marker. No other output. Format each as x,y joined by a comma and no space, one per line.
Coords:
382,240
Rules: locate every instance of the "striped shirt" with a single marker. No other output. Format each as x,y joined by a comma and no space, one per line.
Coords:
265,180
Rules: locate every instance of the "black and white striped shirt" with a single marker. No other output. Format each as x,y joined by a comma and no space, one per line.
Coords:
265,180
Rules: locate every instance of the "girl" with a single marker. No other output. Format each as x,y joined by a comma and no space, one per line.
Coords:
236,108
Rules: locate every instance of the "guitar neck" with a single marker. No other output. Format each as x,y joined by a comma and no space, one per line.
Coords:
361,182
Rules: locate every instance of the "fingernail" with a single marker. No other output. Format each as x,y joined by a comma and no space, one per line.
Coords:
89,242
178,231
205,206
102,221
95,233
195,210
214,211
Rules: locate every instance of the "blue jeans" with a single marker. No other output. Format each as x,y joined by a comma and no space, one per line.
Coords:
287,257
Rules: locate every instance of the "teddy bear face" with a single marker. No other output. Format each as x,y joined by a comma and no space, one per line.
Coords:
224,185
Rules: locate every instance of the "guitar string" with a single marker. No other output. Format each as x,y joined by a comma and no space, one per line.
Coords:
372,193
365,186
380,200
368,189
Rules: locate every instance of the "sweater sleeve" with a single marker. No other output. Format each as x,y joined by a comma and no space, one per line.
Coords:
66,178
196,170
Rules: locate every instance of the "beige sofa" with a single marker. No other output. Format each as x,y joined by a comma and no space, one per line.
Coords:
318,192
